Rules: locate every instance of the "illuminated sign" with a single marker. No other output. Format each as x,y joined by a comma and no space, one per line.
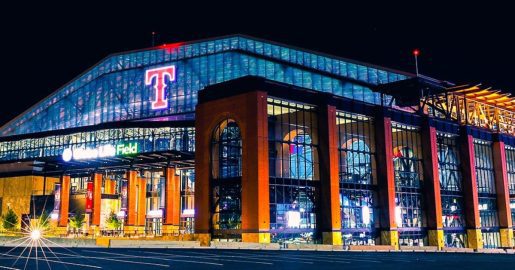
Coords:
102,151
159,74
89,197
155,213
188,213
293,219
365,213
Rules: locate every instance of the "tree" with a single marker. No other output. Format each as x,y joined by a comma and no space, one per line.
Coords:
77,221
113,222
10,220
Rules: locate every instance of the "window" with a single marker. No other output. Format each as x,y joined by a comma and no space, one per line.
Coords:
485,176
293,154
510,167
357,178
451,190
407,154
227,150
187,200
226,165
301,157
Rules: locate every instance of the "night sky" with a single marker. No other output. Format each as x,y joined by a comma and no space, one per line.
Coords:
45,45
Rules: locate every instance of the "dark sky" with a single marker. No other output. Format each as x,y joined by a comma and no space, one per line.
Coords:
46,45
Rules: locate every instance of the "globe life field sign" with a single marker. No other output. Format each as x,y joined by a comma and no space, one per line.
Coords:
108,150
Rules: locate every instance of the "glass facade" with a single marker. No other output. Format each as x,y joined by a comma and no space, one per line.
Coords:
115,90
357,174
294,174
451,190
485,176
148,140
226,158
407,161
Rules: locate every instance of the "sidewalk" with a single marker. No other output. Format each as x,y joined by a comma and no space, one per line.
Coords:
11,241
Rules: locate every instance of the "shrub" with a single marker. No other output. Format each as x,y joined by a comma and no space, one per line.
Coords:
10,220
77,221
113,222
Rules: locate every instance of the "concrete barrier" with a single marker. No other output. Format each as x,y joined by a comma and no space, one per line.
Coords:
12,241
457,250
313,247
150,243
376,248
491,251
243,245
419,249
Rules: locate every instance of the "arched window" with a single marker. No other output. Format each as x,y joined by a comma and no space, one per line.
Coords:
301,157
226,150
226,164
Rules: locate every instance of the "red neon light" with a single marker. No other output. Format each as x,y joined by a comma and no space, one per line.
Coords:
170,47
160,101
416,52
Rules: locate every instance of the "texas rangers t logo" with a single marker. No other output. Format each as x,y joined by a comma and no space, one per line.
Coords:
160,101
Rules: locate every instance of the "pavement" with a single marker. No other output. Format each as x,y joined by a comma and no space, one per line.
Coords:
158,258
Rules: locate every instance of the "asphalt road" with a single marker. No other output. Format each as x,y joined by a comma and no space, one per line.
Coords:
156,259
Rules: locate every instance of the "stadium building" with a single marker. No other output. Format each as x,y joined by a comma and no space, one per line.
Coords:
241,139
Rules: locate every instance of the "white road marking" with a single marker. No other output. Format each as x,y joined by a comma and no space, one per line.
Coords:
5,267
146,257
216,259
287,256
114,260
68,263
207,255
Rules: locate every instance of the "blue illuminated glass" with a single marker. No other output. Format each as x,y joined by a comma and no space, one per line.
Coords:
114,89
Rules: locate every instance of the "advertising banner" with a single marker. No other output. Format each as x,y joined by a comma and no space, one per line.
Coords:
89,198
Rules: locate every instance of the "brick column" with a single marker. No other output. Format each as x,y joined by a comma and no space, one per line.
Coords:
133,204
172,215
97,199
249,110
142,201
474,237
330,214
386,180
432,185
131,197
503,194
65,201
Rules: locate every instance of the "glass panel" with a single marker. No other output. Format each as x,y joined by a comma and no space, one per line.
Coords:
293,154
357,171
485,176
451,190
115,90
226,158
407,161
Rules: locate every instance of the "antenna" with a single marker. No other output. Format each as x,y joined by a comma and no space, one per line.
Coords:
416,52
153,38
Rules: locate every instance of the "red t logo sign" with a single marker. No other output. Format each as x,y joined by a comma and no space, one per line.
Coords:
160,102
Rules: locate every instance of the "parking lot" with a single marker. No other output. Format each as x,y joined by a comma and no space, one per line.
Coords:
126,259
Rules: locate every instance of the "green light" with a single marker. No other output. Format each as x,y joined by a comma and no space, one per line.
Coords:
127,149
